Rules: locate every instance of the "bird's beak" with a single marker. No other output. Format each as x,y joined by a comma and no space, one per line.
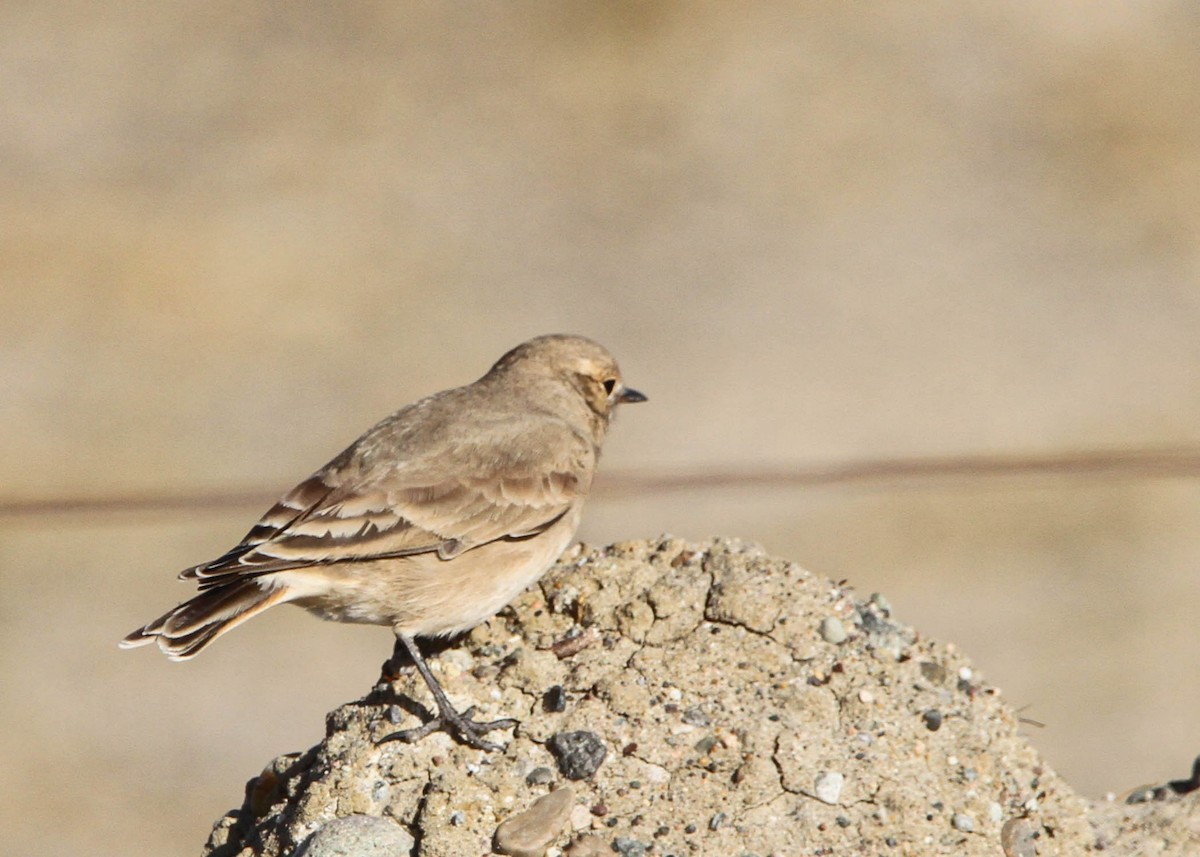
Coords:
630,397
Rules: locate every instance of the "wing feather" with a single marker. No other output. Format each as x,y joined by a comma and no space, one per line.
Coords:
447,500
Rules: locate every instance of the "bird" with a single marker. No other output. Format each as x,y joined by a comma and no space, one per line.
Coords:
430,522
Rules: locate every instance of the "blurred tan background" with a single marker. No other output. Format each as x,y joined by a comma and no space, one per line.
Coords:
236,234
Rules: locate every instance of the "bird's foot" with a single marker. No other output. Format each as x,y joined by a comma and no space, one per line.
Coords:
460,725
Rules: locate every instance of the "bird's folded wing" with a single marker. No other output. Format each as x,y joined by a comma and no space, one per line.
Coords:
343,513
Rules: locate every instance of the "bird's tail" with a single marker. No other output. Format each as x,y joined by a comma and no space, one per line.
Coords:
183,631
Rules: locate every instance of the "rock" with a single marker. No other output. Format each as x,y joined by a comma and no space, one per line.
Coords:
828,787
627,846
832,630
705,667
555,700
579,754
358,836
529,833
1018,838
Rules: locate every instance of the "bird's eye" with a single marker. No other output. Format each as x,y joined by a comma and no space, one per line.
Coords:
610,384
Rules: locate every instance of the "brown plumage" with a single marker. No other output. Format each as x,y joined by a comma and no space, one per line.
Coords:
432,520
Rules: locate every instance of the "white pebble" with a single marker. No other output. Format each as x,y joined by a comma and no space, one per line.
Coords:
832,630
829,787
581,817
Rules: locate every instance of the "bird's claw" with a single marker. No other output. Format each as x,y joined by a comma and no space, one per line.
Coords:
460,725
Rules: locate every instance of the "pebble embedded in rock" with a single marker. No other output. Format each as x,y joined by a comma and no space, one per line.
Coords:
828,787
540,777
832,630
529,833
579,754
1018,839
360,835
555,699
628,847
933,719
963,822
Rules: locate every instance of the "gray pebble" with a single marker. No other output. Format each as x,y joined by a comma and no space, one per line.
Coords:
360,836
542,776
963,822
716,821
529,833
579,754
933,719
882,603
628,847
832,630
1018,838
695,716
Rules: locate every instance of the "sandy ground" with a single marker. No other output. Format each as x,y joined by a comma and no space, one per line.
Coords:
236,235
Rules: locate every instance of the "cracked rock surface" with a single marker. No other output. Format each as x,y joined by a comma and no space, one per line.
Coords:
711,712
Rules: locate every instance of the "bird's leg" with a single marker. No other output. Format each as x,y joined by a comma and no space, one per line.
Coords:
458,723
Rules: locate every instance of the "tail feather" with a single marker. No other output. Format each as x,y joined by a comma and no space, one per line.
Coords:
184,631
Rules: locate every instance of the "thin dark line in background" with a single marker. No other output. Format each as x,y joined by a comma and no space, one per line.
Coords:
1127,463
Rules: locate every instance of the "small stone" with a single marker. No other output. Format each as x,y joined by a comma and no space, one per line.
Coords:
995,813
933,719
1018,838
360,835
529,833
629,847
581,817
542,776
832,630
963,822
695,716
933,672
579,754
716,821
828,787
457,818
884,606
555,700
